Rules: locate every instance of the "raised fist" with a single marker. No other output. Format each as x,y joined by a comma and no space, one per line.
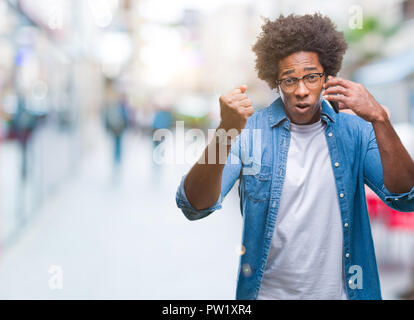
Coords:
235,109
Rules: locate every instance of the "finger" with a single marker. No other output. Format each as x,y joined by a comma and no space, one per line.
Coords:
235,91
332,81
336,97
239,97
245,103
249,111
342,106
349,111
241,89
337,90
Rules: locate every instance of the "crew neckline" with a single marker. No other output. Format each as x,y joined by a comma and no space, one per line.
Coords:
306,127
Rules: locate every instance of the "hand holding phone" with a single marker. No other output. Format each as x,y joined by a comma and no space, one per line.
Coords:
334,104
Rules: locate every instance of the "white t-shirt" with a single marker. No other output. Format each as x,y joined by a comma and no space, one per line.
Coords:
305,259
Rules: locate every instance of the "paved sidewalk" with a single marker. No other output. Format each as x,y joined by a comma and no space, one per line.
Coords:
124,238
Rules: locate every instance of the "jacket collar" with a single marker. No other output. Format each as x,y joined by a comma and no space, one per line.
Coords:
277,112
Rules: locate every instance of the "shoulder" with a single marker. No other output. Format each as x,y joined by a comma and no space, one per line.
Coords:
353,126
352,122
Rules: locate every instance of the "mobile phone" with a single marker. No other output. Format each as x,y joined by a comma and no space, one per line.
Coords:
334,104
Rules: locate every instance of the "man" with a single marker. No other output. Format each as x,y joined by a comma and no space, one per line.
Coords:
306,230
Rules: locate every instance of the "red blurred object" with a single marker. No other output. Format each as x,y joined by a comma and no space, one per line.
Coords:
393,219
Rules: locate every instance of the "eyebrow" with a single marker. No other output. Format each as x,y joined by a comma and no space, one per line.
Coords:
293,70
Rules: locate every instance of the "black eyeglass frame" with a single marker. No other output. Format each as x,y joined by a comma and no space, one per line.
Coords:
320,74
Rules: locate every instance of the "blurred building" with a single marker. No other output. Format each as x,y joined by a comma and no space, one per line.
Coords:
391,77
54,59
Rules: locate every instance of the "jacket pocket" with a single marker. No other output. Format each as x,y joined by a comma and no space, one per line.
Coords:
257,186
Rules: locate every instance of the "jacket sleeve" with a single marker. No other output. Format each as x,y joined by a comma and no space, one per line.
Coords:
373,177
231,173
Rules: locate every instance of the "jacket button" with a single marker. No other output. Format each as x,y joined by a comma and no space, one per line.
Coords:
336,164
330,134
341,195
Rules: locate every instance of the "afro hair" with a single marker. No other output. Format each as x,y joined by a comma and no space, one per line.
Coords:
294,33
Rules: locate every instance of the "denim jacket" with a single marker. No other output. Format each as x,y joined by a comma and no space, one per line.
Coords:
258,159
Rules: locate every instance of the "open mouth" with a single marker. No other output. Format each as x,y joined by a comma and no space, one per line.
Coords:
302,106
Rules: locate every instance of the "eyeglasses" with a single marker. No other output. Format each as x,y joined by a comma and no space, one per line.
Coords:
311,80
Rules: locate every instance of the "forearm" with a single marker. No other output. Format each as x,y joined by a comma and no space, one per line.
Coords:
398,167
202,184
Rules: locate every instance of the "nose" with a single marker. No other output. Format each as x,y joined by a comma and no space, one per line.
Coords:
301,90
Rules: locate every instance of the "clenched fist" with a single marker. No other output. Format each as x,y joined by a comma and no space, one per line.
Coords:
235,109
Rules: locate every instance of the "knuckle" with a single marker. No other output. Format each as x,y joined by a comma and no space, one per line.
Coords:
240,111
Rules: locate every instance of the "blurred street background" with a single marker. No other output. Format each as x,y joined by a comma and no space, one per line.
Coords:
87,191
